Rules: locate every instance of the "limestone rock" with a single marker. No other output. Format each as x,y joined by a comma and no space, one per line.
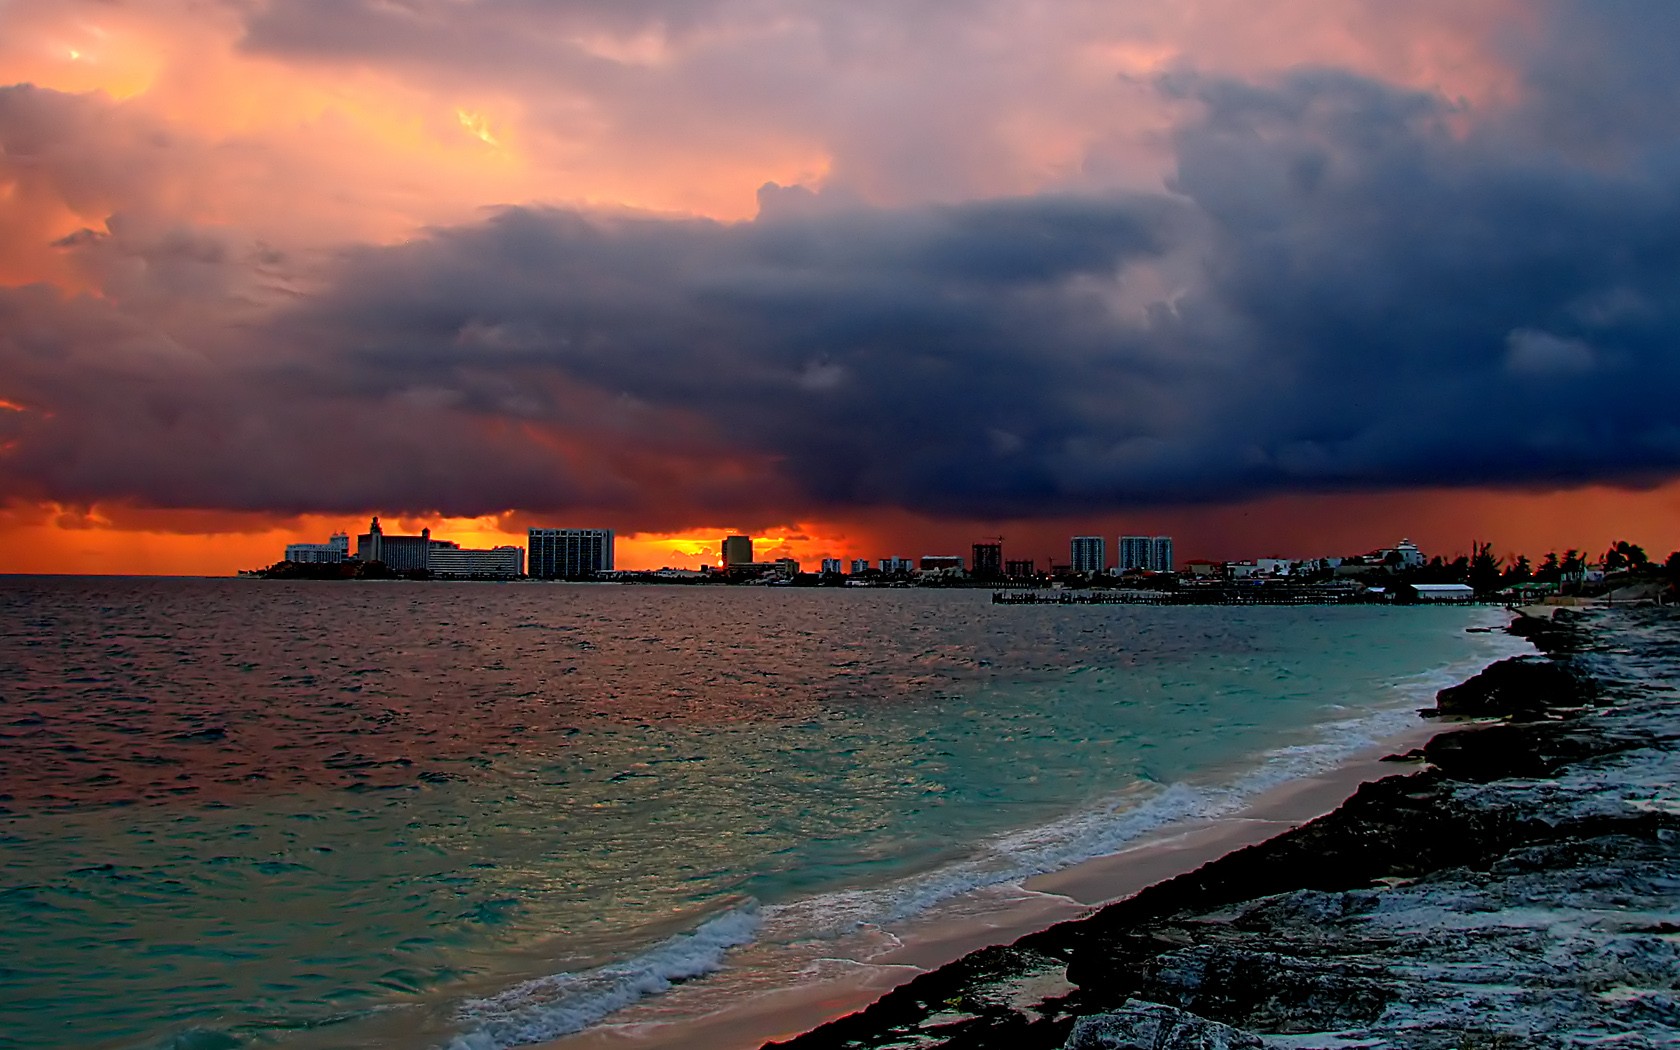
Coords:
1139,1025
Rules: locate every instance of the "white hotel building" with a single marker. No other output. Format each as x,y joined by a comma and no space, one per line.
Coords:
335,550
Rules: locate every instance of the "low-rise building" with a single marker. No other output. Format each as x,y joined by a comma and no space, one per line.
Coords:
450,559
335,550
1438,593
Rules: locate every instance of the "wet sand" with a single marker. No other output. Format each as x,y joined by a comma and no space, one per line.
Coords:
1000,916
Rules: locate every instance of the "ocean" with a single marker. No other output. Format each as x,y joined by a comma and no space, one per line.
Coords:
475,816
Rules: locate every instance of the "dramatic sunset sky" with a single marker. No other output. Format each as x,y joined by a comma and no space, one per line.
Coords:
860,278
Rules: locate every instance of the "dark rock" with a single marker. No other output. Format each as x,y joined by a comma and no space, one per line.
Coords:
1414,755
1556,634
1521,687
1518,892
1153,1026
1266,990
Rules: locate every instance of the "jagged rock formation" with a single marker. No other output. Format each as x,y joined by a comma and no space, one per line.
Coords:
1523,890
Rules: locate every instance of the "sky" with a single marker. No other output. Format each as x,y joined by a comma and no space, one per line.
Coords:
857,279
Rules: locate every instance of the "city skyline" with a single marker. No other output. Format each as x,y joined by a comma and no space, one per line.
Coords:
860,278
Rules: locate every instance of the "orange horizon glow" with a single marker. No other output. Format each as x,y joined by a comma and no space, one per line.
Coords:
49,539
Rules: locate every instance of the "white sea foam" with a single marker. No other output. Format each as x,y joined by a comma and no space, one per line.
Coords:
563,1003
550,1007
1112,827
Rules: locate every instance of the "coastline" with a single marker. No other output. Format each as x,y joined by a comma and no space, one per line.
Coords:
982,921
1517,890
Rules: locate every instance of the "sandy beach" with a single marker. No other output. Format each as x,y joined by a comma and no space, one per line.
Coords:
1002,915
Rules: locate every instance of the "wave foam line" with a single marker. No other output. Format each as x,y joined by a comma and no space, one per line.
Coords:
560,1004
1083,836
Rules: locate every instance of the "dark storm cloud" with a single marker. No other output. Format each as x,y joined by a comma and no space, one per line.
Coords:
1347,285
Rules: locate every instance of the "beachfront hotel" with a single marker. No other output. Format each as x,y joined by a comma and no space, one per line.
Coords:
568,554
335,550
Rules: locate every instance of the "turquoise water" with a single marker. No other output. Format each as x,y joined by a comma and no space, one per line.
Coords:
243,813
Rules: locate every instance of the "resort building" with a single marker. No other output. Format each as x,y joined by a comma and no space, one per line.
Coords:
896,564
941,562
1089,554
1161,553
737,551
1019,570
859,566
569,554
831,566
450,559
398,553
987,563
335,550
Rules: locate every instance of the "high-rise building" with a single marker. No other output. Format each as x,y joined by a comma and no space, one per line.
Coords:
1019,570
737,550
1090,554
896,564
1136,552
988,561
1161,554
860,565
568,554
831,566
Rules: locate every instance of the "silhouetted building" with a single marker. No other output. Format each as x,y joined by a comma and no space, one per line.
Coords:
1019,570
737,550
831,566
449,559
1161,554
398,553
988,561
941,562
569,554
896,564
1089,554
860,565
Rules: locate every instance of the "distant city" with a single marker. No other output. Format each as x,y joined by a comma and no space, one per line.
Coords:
1143,568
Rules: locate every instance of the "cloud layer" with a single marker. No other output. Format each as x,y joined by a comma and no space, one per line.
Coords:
1209,281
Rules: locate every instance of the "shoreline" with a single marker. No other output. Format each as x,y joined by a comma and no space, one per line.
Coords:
1517,890
998,916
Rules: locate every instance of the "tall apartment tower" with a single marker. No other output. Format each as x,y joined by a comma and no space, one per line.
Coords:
988,561
568,554
737,550
1136,552
1161,554
1090,554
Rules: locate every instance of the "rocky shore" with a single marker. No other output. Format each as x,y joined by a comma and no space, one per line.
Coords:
1519,887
